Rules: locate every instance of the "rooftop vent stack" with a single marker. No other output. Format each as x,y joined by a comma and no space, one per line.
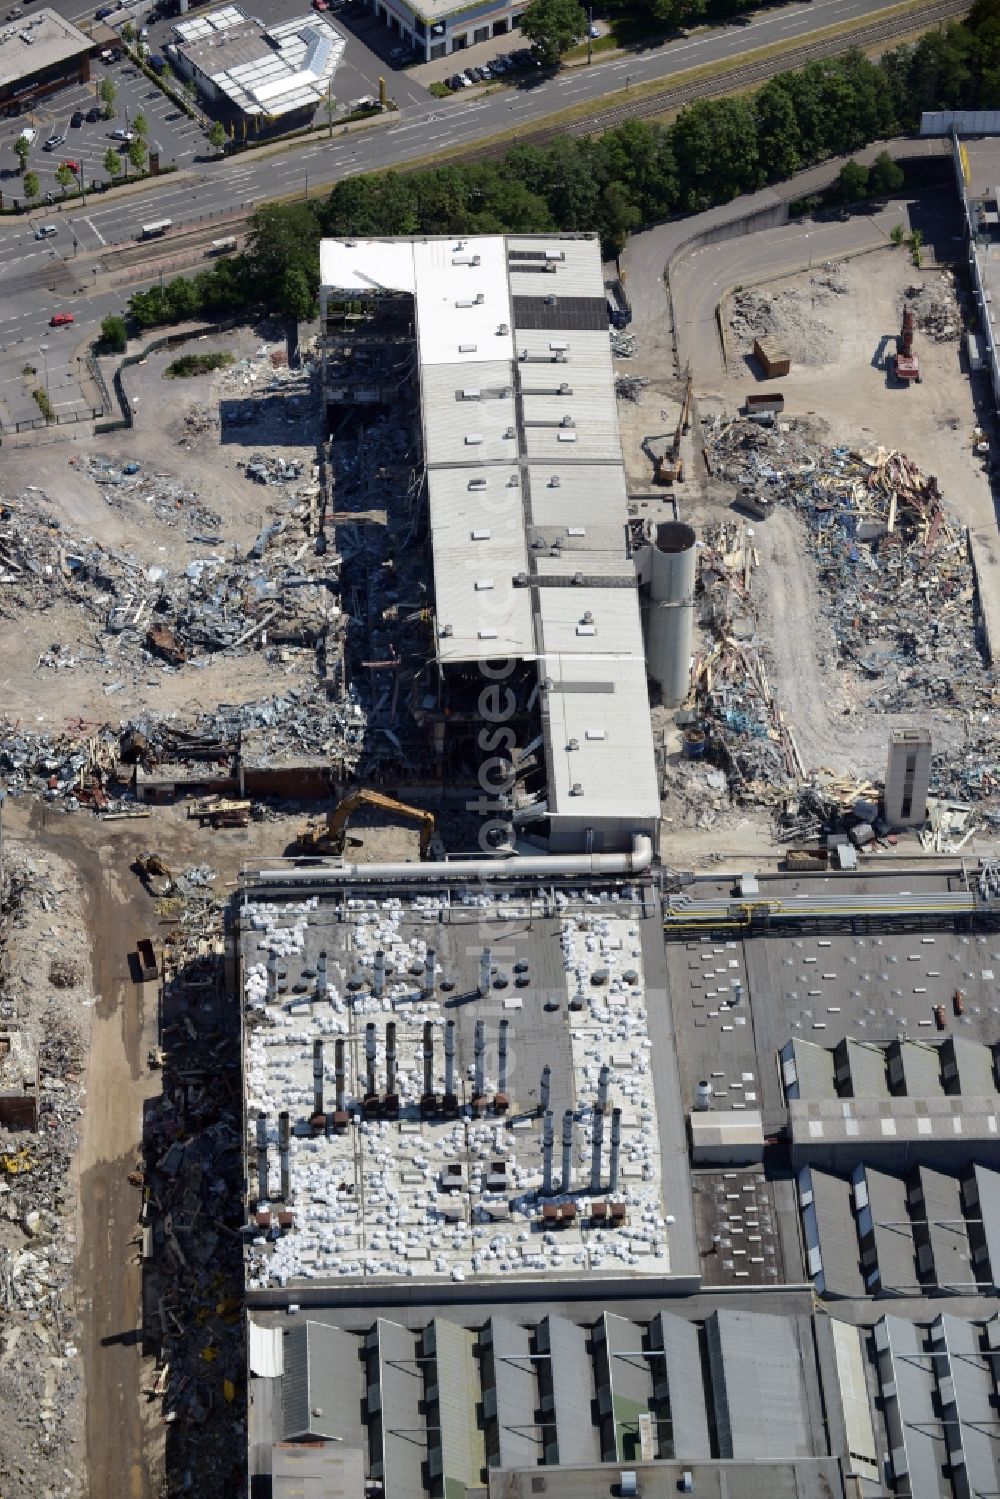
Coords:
284,1154
378,980
339,1074
370,1059
262,1185
703,1095
603,1079
317,1077
428,1058
449,1059
485,969
546,1087
616,1147
502,1079
272,976
390,1058
480,1058
596,1151
322,987
548,1145
430,968
567,1150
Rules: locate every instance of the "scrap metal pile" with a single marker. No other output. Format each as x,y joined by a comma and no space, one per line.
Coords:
192,1203
122,620
741,725
895,574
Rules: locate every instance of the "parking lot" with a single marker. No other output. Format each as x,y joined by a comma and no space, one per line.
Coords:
178,137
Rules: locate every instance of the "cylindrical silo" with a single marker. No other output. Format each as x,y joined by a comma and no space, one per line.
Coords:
671,610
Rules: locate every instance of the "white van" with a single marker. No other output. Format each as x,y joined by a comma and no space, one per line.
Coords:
29,134
46,231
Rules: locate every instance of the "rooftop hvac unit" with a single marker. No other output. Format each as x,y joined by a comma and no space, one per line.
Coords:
550,301
510,432
480,298
477,483
547,684
577,790
578,579
520,580
628,1485
573,744
502,328
588,618
554,482
567,421
447,632
564,389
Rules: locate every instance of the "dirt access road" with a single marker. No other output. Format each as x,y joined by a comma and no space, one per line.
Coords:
124,1441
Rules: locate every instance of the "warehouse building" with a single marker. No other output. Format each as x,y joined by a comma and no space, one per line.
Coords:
446,1404
40,53
504,344
260,79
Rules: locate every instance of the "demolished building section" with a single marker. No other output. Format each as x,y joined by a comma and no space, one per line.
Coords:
535,608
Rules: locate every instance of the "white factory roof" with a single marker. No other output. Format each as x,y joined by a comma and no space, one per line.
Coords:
526,483
36,42
478,543
262,70
602,706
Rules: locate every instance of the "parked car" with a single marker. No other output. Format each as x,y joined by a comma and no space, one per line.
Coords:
54,142
157,63
74,166
321,4
93,114
400,54
128,136
104,12
454,82
46,231
60,319
29,134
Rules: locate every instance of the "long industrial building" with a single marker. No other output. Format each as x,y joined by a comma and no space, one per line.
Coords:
539,653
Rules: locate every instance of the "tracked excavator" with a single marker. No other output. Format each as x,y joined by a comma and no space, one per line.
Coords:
329,837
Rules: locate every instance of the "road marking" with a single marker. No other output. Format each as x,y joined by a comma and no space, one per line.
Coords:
91,225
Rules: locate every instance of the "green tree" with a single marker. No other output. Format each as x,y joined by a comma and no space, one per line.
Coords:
137,153
284,237
107,93
112,162
779,138
852,183
553,26
296,299
32,186
128,33
618,218
146,308
885,175
141,125
65,177
22,150
191,90
217,136
181,300
114,335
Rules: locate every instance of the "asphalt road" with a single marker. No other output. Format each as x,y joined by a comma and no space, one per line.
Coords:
40,278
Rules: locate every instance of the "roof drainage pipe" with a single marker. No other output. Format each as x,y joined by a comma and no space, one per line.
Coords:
540,866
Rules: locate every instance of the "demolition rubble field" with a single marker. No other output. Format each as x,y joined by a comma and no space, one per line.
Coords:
176,573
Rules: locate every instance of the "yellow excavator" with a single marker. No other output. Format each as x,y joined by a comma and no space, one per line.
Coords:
330,836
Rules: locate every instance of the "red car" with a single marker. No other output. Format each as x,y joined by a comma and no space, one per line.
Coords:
60,319
321,4
74,166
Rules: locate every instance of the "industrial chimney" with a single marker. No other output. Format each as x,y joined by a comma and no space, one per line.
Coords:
430,969
485,969
616,1146
567,1150
548,1144
284,1154
378,978
597,1148
262,1182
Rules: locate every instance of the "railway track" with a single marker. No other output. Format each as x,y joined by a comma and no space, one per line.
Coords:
731,81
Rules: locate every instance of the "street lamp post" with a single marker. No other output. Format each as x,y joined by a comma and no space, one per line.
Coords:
590,34
43,349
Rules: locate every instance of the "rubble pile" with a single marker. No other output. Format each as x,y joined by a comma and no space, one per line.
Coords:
792,316
171,502
737,724
895,573
40,1362
193,1207
935,308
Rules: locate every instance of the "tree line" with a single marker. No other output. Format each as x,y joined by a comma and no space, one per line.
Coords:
635,175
